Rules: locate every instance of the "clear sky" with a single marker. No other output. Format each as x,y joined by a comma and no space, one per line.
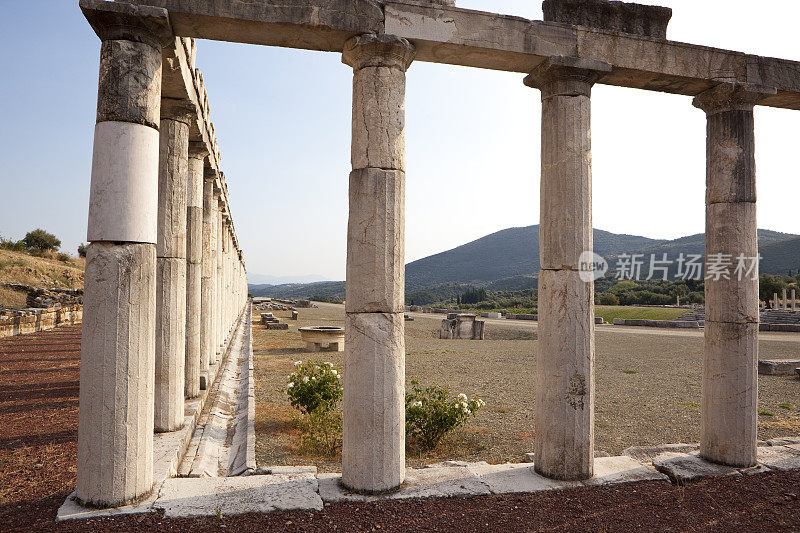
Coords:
283,121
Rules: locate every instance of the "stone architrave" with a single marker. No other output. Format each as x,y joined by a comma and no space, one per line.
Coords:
373,452
564,419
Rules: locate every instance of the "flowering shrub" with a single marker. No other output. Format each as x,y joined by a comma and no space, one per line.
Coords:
314,387
322,432
431,413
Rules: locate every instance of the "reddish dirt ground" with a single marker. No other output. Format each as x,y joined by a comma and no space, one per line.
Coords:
39,417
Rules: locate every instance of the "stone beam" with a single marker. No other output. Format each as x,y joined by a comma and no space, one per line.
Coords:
451,35
313,25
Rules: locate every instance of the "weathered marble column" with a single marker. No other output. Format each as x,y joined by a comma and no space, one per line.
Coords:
373,452
219,287
115,428
730,379
194,267
173,176
564,419
207,337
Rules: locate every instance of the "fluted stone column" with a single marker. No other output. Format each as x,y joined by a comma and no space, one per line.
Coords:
173,177
730,379
564,419
373,452
207,336
194,267
115,428
219,288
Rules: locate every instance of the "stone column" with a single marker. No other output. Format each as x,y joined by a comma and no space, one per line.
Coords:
194,267
373,452
794,300
173,175
219,288
207,281
564,420
115,427
784,300
730,386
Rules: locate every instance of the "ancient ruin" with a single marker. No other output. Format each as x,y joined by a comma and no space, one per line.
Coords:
165,277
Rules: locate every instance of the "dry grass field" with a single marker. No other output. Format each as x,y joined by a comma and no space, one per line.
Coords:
647,386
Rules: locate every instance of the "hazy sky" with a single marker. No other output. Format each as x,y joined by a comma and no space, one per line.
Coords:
283,121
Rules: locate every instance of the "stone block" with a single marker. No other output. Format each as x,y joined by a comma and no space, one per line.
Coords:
376,242
514,478
731,230
123,205
564,421
728,411
684,468
565,228
192,497
170,362
115,426
277,326
373,451
378,118
646,454
637,19
173,174
778,367
780,457
622,469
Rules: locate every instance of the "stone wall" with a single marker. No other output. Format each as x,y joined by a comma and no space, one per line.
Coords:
32,320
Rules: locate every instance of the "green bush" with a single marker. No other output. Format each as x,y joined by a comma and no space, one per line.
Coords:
314,386
81,250
39,240
608,298
432,413
10,244
322,432
316,390
64,258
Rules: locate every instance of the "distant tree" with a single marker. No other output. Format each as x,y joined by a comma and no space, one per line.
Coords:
82,250
609,298
39,240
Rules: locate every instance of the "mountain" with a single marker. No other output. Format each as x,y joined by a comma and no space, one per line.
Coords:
509,260
507,253
266,279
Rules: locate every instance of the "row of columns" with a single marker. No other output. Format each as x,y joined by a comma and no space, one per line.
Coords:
373,457
164,280
138,285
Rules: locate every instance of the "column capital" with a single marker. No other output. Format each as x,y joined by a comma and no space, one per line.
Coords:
178,110
731,97
372,50
210,174
126,22
566,76
198,150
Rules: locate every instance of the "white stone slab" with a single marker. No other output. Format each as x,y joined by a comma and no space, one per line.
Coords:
188,497
622,469
646,454
440,482
429,482
683,468
780,457
513,478
72,510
